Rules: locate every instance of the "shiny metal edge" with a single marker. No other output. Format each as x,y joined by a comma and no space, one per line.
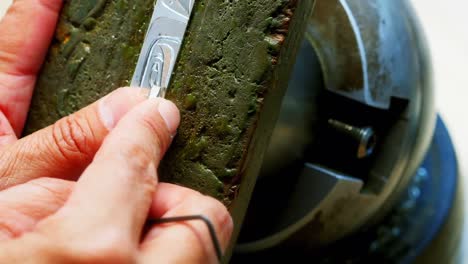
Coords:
162,45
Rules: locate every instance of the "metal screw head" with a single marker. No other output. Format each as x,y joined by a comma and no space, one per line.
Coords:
367,144
364,138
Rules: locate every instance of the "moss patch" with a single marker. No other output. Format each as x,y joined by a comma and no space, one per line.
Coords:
223,74
95,50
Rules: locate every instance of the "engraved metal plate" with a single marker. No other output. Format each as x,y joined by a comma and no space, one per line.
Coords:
161,46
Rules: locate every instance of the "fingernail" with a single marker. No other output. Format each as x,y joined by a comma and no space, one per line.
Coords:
170,115
115,105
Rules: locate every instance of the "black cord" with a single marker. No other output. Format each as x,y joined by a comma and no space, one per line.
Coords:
209,224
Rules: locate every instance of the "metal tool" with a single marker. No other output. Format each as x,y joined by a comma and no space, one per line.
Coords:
204,219
162,45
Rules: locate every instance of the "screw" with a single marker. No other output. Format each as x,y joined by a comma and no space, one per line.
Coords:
364,138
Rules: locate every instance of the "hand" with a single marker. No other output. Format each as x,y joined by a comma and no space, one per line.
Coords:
45,216
104,216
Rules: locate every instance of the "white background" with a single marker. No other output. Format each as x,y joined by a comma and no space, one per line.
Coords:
446,26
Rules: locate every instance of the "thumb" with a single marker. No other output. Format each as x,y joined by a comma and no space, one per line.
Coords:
64,149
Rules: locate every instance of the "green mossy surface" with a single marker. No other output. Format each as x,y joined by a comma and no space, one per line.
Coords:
95,50
224,72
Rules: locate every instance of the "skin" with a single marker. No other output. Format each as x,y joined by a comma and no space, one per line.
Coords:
81,190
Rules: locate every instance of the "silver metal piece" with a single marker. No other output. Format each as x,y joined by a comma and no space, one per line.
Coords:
364,49
315,196
162,45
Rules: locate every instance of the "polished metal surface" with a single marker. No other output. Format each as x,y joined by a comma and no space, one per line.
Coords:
364,49
162,44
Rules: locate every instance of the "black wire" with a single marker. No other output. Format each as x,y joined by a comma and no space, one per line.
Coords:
209,224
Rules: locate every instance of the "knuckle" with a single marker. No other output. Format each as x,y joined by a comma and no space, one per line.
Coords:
215,211
138,157
219,215
158,130
71,138
140,165
214,206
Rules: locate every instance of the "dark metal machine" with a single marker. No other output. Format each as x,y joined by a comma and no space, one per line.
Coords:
359,168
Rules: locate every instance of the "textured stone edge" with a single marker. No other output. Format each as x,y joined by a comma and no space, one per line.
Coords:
268,116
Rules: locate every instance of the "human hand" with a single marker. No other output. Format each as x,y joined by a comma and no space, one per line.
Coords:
104,219
104,216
